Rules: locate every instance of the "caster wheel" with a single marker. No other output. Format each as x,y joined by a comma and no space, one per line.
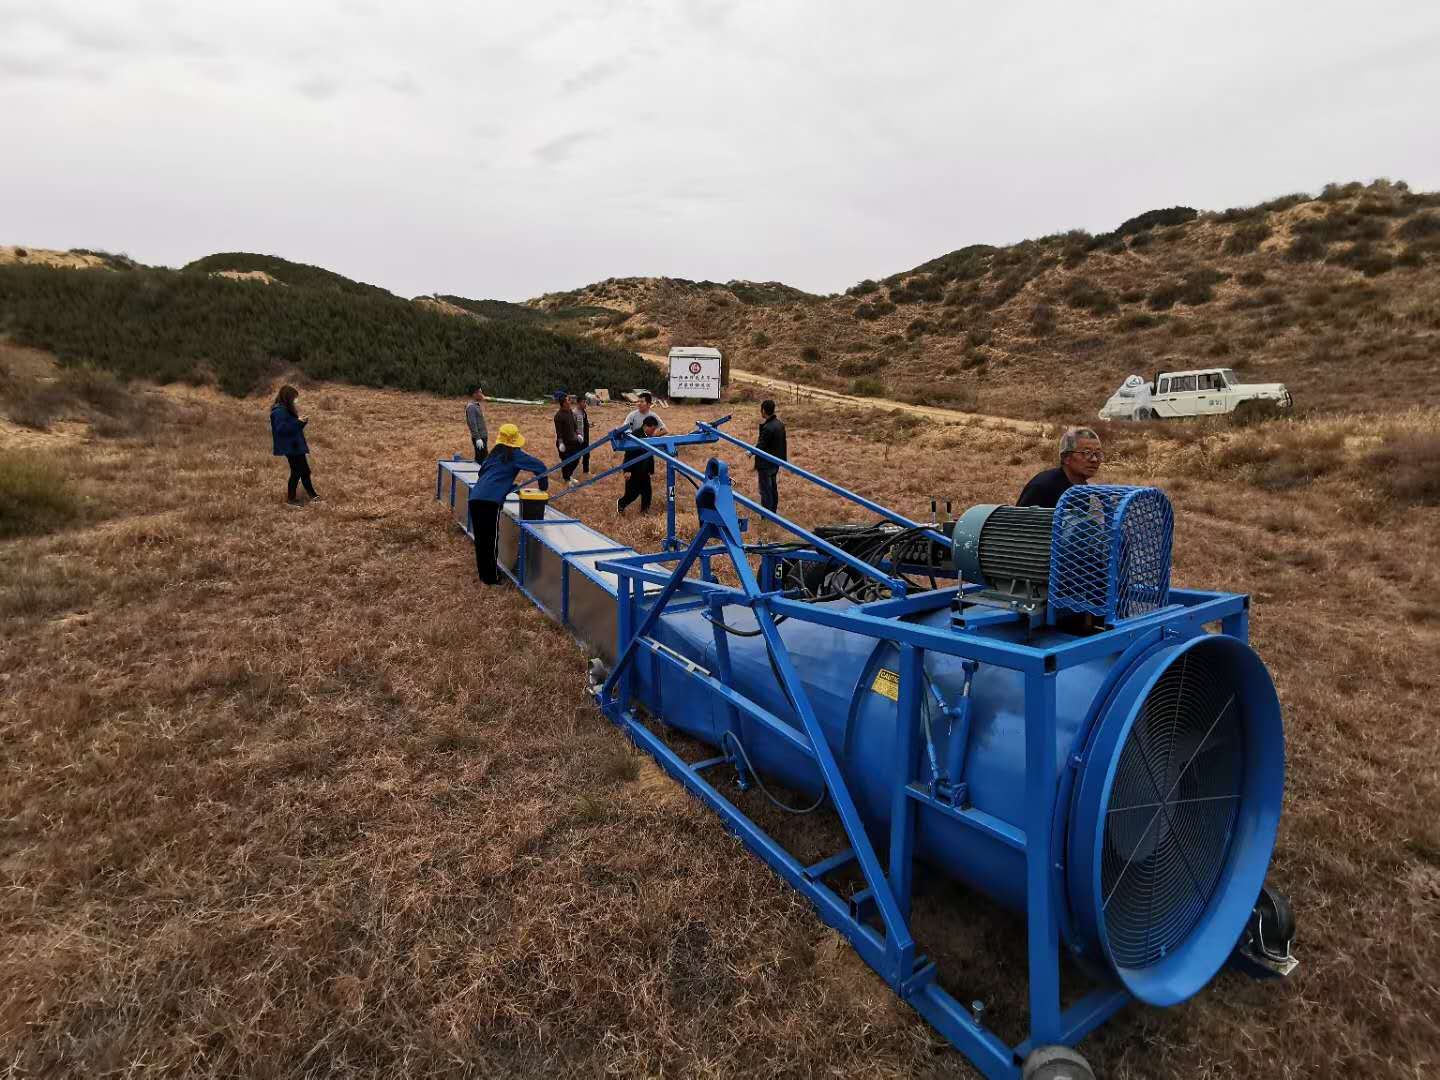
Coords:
1056,1063
1277,921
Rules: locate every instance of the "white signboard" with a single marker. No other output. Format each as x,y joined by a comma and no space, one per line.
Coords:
695,373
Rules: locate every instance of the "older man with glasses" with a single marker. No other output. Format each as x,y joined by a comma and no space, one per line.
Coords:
1080,458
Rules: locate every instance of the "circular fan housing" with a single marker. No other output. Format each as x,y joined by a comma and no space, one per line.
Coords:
1175,815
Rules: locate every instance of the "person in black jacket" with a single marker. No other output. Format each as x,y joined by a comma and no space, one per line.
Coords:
567,436
772,442
581,408
639,467
287,432
1080,458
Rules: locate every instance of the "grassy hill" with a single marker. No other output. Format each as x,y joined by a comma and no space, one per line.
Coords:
282,270
1337,295
186,325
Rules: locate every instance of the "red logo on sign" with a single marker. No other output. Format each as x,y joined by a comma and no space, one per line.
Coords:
694,367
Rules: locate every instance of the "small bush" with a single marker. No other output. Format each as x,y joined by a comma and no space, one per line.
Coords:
810,354
1420,227
1174,215
1197,287
873,310
862,288
1252,278
1334,192
1132,296
1141,240
1408,469
34,497
922,289
944,396
1042,320
917,328
1137,320
1087,296
867,388
646,333
866,366
1285,202
34,405
1246,238
1305,247
759,339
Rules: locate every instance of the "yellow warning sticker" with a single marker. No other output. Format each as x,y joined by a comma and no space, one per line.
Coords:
887,684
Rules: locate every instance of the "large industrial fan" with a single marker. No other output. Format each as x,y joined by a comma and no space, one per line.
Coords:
1059,728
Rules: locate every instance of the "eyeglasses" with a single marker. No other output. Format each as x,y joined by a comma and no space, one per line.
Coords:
1090,455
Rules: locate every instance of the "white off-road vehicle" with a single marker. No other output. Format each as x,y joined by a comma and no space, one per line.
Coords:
1202,392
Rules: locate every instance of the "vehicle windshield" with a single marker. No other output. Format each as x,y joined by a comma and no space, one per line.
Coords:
1231,379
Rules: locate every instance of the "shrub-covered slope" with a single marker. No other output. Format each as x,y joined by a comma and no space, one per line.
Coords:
175,325
282,270
1336,295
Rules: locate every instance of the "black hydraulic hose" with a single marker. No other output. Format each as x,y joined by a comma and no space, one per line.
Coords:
796,810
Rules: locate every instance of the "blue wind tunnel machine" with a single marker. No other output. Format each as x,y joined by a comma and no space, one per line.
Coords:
1172,744
1019,699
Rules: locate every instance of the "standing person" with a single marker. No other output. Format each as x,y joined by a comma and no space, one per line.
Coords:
639,468
287,430
487,495
567,436
582,421
1080,458
475,420
642,410
772,441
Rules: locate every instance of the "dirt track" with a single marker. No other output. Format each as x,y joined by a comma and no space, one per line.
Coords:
949,416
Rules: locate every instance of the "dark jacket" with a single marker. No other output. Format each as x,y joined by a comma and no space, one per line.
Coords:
633,464
1045,489
567,432
288,431
772,441
497,475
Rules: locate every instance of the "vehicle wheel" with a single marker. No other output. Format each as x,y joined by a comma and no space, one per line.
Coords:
1144,415
1056,1063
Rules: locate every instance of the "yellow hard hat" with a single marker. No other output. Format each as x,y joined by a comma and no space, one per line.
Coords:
510,436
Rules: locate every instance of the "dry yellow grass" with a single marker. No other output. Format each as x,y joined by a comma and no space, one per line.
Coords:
285,793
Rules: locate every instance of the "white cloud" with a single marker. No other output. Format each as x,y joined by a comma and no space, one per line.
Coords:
505,150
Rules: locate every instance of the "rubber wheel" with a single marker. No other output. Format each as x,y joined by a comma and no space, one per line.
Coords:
1056,1063
1277,917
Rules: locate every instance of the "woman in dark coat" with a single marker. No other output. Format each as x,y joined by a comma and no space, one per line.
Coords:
287,427
487,495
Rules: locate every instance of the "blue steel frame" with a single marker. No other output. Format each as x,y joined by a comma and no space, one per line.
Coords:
888,948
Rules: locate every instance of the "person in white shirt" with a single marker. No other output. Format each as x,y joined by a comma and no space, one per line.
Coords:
636,420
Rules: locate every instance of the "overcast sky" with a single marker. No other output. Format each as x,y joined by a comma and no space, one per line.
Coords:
504,150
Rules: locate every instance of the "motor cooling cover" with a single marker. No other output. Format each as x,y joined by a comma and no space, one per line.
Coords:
1174,817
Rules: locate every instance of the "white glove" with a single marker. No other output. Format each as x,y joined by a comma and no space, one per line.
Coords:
479,444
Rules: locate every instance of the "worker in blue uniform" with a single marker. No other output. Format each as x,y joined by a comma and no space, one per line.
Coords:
487,495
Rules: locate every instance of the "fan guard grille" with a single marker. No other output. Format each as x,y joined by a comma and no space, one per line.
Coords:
1172,810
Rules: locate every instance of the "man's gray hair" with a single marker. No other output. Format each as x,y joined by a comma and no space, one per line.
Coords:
1071,438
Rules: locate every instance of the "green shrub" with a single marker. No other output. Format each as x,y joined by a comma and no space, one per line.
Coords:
1407,469
648,333
922,289
1140,240
862,288
867,388
1252,278
916,328
1334,192
810,354
1138,321
34,497
759,339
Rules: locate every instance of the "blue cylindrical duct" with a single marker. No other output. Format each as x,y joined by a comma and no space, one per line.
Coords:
1173,804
